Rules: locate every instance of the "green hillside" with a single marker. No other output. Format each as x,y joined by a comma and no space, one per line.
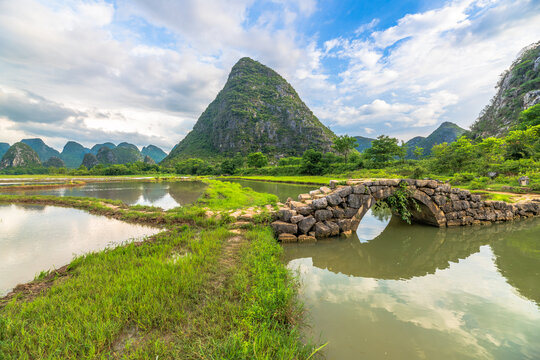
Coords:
73,154
517,89
3,148
43,150
257,110
363,143
20,155
154,152
447,132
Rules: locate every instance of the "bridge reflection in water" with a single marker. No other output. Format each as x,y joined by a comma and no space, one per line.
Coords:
420,291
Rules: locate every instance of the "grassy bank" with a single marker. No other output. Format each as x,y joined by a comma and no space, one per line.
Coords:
197,291
185,294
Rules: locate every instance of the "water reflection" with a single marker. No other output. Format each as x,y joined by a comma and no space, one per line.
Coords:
166,195
423,292
36,238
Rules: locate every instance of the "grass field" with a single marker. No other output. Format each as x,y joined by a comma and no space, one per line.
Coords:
195,291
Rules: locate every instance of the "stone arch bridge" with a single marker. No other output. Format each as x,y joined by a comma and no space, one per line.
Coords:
338,209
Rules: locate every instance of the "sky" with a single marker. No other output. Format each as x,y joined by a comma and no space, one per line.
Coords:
143,71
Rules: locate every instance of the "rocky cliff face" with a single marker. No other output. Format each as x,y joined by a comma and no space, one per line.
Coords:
257,110
447,132
89,161
106,156
43,150
517,90
20,155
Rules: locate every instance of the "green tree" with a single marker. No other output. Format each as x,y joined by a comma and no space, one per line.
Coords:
257,160
458,156
344,144
491,150
228,167
418,152
238,161
519,144
312,162
529,117
383,149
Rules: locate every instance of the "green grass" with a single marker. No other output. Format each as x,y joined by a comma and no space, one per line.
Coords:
222,195
173,295
316,180
177,296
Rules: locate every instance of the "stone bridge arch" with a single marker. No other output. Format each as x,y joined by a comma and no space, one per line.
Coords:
338,209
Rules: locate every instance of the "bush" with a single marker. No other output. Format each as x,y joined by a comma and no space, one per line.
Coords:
257,160
462,178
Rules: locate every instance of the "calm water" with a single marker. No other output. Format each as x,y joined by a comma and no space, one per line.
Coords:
166,195
36,238
283,191
397,291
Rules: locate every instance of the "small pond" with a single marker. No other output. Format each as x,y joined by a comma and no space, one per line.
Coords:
398,291
36,238
165,194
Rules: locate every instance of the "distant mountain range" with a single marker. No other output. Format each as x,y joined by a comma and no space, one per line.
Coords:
3,149
257,110
73,153
362,143
447,132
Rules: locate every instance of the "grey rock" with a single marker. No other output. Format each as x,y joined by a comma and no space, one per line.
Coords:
321,230
354,201
321,215
334,228
344,191
281,227
319,203
334,199
296,219
306,224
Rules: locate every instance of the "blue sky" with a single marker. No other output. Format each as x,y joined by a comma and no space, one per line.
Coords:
140,71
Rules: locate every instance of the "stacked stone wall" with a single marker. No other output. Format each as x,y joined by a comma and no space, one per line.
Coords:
338,209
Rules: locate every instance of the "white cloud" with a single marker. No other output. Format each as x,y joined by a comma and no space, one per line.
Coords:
442,63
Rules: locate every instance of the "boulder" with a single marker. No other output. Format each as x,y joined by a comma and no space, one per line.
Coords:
344,224
322,230
344,191
334,228
285,215
334,199
338,213
319,203
296,219
325,190
303,197
333,184
306,224
304,210
306,239
281,227
287,238
354,201
359,189
321,215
